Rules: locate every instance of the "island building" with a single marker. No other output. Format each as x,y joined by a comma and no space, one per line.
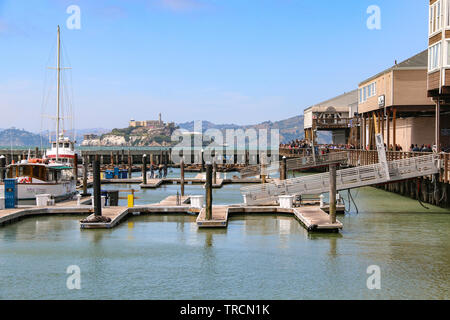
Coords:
147,123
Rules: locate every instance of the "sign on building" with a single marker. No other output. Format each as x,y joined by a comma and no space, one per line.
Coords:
381,101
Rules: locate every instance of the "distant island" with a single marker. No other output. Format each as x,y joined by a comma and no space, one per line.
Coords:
151,133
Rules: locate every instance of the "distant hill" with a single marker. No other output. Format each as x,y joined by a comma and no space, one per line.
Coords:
290,129
79,133
20,138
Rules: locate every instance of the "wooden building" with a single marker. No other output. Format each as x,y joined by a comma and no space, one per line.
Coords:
395,103
438,78
335,115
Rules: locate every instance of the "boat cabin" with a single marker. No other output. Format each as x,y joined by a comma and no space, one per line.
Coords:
39,173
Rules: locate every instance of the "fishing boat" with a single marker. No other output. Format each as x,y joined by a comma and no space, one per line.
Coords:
52,175
39,176
62,151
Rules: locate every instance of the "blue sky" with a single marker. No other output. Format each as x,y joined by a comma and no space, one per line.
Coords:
227,61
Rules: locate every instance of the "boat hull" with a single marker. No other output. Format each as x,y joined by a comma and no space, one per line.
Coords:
59,191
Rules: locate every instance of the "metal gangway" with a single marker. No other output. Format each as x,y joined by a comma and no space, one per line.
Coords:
350,178
312,161
257,170
302,163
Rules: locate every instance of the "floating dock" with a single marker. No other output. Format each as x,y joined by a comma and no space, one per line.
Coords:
219,217
313,218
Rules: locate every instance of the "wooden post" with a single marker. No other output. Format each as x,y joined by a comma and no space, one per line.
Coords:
214,173
97,189
112,159
379,121
144,169
75,168
283,169
394,129
388,133
437,129
263,169
85,173
208,187
202,162
2,167
333,193
182,177
130,164
364,132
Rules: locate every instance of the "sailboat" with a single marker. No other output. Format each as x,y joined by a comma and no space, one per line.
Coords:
52,175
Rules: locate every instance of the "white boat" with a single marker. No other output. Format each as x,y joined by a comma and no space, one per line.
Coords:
38,176
61,151
52,175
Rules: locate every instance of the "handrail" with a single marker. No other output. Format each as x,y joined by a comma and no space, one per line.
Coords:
346,179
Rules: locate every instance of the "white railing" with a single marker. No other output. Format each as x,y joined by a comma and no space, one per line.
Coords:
345,179
257,169
319,160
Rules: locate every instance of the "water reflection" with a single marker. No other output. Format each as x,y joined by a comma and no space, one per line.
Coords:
256,257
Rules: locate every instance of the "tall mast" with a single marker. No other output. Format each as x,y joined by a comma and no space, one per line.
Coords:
58,71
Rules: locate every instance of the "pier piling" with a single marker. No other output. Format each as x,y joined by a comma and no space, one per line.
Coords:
333,193
208,187
75,167
97,188
182,177
283,167
144,169
214,174
2,167
85,173
130,164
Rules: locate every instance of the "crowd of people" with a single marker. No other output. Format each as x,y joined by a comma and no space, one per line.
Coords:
423,148
304,144
297,145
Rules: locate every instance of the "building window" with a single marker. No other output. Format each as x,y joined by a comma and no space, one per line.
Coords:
434,54
448,52
435,17
367,92
448,13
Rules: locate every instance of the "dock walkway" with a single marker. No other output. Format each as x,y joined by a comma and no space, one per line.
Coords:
312,217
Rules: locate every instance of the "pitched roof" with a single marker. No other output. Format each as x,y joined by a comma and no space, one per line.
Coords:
419,61
343,100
